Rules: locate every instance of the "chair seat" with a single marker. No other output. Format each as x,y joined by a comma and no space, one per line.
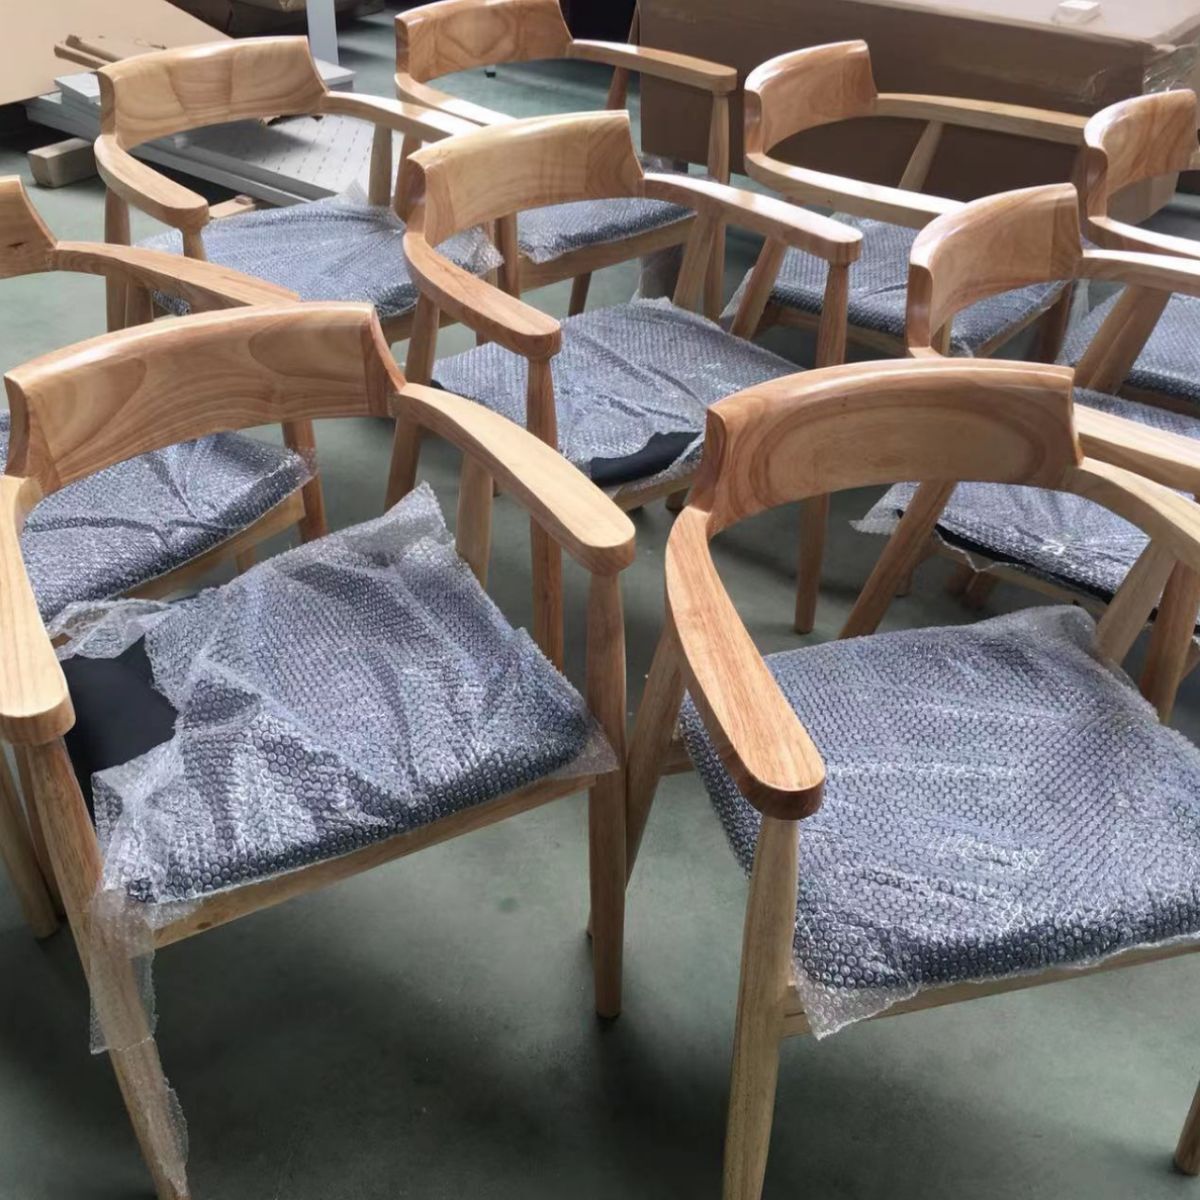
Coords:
357,687
340,248
139,519
1169,363
547,234
999,800
632,384
1058,537
879,285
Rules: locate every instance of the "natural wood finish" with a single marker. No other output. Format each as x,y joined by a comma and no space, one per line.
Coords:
541,420
1187,1152
1129,610
1111,354
36,834
17,852
1170,640
62,163
473,529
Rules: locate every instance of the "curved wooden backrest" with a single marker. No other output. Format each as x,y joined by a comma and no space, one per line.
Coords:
875,423
474,178
26,245
453,35
989,246
79,410
172,91
805,88
1134,140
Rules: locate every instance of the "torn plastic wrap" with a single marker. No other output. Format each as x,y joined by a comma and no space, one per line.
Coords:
349,690
879,290
1062,538
1169,363
141,518
341,248
632,385
999,800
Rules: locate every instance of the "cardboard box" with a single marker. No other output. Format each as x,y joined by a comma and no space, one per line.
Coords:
253,18
1003,50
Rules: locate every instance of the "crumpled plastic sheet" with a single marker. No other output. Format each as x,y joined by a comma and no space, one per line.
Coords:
138,519
346,691
1169,363
1000,800
341,248
879,291
1059,537
545,234
624,375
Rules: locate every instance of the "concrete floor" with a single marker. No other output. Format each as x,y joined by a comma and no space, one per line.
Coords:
426,1030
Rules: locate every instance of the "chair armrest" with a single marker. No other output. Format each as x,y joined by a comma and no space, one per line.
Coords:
35,706
761,741
1160,272
663,64
880,203
1116,235
831,240
477,304
148,190
203,285
407,88
1167,458
1042,123
568,505
427,124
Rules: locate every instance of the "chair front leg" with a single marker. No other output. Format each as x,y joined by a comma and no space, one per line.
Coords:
541,420
766,959
75,855
116,233
16,849
1187,1152
814,523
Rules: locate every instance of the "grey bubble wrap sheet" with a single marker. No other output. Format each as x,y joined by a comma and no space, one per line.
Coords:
143,517
999,801
1169,363
357,687
879,290
626,379
1062,538
341,248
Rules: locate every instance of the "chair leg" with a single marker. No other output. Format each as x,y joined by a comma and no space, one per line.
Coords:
814,520
75,854
976,593
676,500
245,559
35,829
16,848
579,293
1187,1152
766,955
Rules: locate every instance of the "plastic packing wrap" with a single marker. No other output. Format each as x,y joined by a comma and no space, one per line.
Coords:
879,291
624,376
355,688
141,518
1000,800
1059,537
1169,363
545,234
341,248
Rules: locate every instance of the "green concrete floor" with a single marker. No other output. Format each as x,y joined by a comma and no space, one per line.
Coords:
426,1030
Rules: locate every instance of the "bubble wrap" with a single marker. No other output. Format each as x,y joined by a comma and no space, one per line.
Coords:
624,375
1169,362
341,248
1058,537
999,801
343,692
142,518
879,290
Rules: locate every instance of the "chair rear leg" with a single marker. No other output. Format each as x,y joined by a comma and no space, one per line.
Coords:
762,992
1187,1152
579,293
16,848
814,521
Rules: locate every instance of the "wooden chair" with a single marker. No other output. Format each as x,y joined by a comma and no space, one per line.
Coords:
669,353
564,243
824,85
162,94
764,733
1066,549
27,247
1147,138
79,411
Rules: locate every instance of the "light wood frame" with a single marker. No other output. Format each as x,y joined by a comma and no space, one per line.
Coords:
454,35
823,85
86,407
494,173
936,421
28,247
173,91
